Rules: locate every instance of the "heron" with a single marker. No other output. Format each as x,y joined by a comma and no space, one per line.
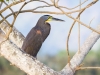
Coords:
38,34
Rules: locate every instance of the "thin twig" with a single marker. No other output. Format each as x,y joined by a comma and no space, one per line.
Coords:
1,4
14,3
44,2
10,30
9,8
5,20
52,1
75,6
91,21
80,21
79,31
40,7
11,27
82,68
57,1
41,11
67,7
45,12
71,30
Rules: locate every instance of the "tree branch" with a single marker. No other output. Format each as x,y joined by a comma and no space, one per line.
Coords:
10,49
22,60
47,5
79,20
84,50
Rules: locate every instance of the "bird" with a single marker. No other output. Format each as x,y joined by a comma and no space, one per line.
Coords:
37,35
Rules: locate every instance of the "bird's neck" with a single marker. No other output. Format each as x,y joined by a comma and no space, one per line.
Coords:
41,24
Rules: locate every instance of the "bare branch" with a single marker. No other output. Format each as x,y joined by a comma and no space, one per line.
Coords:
14,52
34,67
75,6
5,19
36,8
9,8
71,30
70,33
40,7
17,57
15,36
1,4
91,21
81,68
15,40
10,30
86,47
55,4
57,1
14,3
45,12
80,21
79,30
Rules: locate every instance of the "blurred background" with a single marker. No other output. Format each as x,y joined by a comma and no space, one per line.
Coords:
53,51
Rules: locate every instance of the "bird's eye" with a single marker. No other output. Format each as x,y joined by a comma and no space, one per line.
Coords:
49,19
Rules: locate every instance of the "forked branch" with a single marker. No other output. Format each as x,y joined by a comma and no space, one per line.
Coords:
10,48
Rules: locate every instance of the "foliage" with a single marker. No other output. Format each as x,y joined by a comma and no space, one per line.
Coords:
56,62
3,0
7,69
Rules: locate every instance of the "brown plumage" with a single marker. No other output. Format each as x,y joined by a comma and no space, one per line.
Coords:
37,35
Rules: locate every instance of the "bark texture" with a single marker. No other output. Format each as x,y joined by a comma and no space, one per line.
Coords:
10,49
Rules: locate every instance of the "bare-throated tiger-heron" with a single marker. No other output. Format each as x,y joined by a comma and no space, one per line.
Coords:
37,35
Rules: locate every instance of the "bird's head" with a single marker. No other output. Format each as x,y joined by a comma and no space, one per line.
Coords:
49,18
45,19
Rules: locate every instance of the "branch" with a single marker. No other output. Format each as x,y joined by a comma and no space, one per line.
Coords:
1,4
15,36
70,32
72,28
79,30
79,20
84,50
55,3
45,12
10,49
81,68
9,8
23,60
48,12
14,3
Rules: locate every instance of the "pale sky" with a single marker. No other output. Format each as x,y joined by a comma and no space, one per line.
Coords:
56,41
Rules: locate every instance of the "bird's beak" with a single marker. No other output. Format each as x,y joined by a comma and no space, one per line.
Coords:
56,19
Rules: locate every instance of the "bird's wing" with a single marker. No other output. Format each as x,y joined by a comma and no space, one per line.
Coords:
33,42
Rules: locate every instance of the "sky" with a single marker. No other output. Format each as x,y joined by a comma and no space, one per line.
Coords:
56,41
